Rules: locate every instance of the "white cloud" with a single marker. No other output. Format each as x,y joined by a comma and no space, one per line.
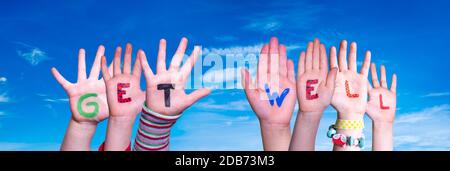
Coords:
234,50
425,114
211,104
2,113
3,79
31,54
4,98
437,94
56,100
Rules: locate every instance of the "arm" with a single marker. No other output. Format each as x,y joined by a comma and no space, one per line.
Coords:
315,86
272,97
125,99
349,97
381,109
88,105
165,97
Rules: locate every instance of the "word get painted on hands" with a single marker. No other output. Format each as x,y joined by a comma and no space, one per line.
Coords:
381,104
347,90
93,104
166,88
121,92
310,88
274,96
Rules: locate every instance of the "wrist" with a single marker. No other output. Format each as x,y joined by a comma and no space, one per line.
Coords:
85,129
312,116
382,126
275,128
351,115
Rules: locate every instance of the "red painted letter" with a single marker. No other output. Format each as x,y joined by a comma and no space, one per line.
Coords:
381,104
347,89
121,92
310,88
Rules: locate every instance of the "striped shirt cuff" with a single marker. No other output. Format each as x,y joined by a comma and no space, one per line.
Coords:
154,131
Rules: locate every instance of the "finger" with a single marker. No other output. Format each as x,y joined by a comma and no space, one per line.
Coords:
190,62
137,69
263,62
366,64
197,95
105,73
291,72
161,64
323,58
110,68
61,80
309,58
127,59
331,77
352,57
116,61
394,83
343,56
373,71
316,55
96,66
301,64
81,65
273,57
148,73
333,58
246,79
283,59
179,54
383,76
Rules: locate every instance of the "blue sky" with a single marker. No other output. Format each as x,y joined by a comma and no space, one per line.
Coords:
410,38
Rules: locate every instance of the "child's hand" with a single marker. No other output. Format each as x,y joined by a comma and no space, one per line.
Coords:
275,75
125,97
165,90
87,97
273,95
381,109
350,93
382,101
314,83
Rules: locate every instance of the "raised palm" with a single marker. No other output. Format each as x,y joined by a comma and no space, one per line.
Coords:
315,85
124,94
165,90
87,97
276,73
382,101
350,93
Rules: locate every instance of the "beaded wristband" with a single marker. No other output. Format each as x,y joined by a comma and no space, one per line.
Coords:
343,140
349,124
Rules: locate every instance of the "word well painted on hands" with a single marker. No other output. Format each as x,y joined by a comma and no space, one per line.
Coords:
347,90
274,96
166,88
121,92
381,103
310,88
93,104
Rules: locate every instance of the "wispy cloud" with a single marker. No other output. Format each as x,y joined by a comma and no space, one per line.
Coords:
31,54
234,50
56,100
425,114
211,104
437,94
3,80
4,98
2,113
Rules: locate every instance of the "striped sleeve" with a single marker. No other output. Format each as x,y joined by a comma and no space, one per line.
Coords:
154,131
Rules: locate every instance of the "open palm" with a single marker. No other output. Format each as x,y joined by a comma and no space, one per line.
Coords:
165,90
276,75
382,101
87,97
125,97
350,94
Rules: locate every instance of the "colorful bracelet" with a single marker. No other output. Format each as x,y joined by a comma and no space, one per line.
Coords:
343,140
349,124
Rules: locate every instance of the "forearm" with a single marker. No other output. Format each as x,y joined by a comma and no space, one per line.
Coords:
275,137
154,131
118,133
305,131
382,136
78,136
